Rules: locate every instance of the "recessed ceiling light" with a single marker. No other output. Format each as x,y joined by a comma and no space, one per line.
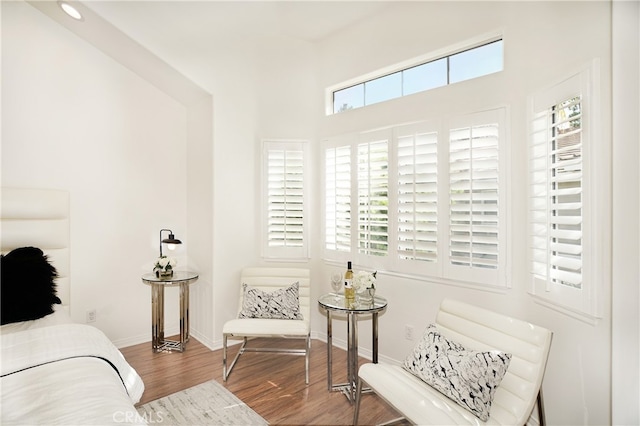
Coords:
70,10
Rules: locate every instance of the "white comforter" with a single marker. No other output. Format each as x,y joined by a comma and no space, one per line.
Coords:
66,374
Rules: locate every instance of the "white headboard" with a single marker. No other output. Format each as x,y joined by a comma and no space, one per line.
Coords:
38,218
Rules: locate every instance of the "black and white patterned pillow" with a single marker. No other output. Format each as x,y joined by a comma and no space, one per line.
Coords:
468,377
283,303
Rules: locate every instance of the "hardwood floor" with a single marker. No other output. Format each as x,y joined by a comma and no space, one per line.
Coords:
271,384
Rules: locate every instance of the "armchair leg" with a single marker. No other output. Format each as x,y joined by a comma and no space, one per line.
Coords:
306,359
224,357
227,370
541,417
356,407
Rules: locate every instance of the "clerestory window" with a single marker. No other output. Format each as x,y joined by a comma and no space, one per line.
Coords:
463,65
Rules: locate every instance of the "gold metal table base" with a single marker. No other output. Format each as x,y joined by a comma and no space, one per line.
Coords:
182,280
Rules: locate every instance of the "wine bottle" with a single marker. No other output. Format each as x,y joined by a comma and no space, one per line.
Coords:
349,291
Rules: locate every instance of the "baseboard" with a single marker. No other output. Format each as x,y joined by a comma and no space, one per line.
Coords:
211,344
365,353
143,338
217,344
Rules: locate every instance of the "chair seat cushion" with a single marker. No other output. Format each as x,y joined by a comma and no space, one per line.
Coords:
266,327
419,403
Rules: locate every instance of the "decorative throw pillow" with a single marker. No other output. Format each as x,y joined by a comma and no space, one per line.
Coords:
283,303
468,377
28,285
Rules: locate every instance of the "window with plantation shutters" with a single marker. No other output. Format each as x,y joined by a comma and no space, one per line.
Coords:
557,188
285,227
476,208
373,191
473,189
338,198
417,193
567,224
430,199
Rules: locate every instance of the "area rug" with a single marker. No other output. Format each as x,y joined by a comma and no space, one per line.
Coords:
209,403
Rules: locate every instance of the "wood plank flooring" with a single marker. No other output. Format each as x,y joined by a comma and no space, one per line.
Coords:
271,384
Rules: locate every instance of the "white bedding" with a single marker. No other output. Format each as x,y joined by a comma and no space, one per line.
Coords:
65,374
60,315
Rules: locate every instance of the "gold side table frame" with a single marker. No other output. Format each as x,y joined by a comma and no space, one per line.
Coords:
181,279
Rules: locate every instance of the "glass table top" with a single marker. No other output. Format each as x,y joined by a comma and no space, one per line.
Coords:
178,277
336,302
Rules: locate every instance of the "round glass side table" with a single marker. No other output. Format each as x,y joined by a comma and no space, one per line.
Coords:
333,302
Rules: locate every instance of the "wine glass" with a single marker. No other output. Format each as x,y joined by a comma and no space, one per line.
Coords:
336,284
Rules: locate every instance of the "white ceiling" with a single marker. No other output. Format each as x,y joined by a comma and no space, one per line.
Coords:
166,26
190,36
187,35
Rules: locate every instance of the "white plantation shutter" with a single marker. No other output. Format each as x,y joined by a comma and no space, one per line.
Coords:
477,207
568,171
556,201
538,208
285,199
417,192
373,193
473,185
421,203
338,198
556,163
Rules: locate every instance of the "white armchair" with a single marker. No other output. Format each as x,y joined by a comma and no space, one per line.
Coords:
481,330
266,281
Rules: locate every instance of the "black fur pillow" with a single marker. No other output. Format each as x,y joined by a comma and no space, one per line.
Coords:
28,285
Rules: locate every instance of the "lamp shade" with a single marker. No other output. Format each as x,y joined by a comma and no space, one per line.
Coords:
171,239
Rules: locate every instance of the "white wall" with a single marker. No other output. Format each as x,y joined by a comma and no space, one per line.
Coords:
262,92
551,43
626,214
127,128
74,119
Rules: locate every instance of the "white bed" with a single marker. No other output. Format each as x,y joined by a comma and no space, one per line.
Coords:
54,371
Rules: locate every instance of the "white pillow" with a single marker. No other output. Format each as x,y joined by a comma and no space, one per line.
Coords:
283,303
468,377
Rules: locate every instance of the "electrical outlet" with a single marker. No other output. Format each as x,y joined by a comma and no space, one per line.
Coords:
91,315
408,332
